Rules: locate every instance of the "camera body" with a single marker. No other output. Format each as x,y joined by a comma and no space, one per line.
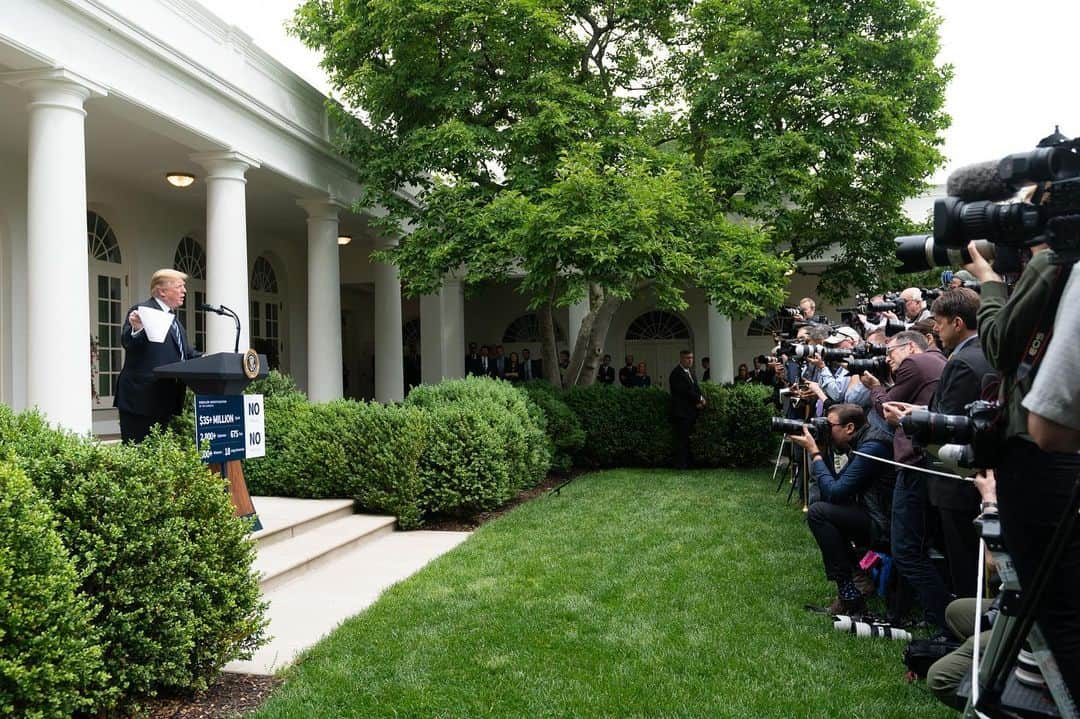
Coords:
972,440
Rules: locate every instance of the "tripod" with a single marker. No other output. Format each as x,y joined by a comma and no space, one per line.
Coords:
1017,622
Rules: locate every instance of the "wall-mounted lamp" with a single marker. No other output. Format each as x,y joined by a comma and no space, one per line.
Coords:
179,179
344,239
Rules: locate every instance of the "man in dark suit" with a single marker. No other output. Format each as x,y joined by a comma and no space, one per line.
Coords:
605,373
957,503
686,401
472,360
530,368
626,374
916,372
144,401
498,363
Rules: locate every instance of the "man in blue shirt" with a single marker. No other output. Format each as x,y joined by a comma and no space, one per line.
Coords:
854,503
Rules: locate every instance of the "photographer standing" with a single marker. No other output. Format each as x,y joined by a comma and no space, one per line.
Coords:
854,505
1033,485
957,502
916,372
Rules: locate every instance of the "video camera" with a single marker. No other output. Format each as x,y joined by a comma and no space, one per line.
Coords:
970,441
974,210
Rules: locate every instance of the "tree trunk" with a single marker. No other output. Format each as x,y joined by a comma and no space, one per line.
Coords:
589,344
549,352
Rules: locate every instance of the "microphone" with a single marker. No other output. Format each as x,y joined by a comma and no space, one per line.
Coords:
210,308
980,181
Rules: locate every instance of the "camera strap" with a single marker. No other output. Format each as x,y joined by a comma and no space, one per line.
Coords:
1042,333
917,468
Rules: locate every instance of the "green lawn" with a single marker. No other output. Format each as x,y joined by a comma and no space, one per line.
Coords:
635,593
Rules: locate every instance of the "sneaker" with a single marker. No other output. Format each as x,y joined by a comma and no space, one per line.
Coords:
847,607
864,582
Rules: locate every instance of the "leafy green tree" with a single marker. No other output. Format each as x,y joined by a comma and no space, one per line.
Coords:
817,118
575,141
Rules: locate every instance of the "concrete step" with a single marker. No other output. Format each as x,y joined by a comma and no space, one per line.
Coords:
310,605
285,560
284,518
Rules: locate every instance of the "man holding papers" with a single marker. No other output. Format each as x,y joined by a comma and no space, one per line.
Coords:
152,336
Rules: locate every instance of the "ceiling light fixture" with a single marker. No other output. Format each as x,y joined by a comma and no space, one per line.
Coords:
344,239
179,179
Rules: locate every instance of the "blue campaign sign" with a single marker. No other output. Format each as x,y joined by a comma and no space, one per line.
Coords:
219,420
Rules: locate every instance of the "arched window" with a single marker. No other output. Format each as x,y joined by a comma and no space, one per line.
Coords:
658,325
527,329
263,277
107,304
265,320
190,258
100,239
769,325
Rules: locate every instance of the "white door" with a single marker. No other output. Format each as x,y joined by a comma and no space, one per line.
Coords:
108,303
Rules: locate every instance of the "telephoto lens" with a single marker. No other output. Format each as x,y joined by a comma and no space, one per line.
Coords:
928,427
818,426
858,365
869,349
919,253
862,629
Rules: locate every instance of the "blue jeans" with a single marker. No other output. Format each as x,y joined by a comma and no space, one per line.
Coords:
910,545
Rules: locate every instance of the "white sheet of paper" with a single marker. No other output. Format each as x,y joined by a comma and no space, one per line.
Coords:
156,323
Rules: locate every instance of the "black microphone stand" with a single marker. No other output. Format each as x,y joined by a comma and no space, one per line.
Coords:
236,343
223,310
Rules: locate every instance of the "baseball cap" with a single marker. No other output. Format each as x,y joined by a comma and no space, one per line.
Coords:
841,334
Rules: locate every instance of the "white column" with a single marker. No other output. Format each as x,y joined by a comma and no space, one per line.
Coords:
389,358
324,301
58,291
721,349
226,246
578,311
453,327
431,351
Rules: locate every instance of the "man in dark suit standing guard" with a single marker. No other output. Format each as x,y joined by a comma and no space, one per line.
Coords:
958,503
144,401
686,401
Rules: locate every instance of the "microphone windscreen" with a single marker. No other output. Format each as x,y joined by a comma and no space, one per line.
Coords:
978,182
207,308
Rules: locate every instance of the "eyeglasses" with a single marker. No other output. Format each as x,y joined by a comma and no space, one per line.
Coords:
889,350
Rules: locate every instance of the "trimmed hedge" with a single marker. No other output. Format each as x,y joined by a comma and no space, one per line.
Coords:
733,429
487,441
563,427
343,449
623,427
632,427
158,550
50,661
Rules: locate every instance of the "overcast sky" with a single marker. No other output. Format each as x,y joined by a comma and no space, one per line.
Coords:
1014,64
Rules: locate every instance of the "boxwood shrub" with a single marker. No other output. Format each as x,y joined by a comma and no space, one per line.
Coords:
50,661
343,448
157,549
563,427
733,429
632,427
623,427
487,441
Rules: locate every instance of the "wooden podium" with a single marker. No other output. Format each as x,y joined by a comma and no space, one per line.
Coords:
223,373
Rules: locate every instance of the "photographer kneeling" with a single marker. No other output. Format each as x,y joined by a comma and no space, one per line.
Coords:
853,506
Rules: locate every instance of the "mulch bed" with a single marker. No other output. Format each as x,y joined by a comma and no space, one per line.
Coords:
234,695
231,695
468,524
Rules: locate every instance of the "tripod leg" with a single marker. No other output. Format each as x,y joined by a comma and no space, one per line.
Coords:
776,467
